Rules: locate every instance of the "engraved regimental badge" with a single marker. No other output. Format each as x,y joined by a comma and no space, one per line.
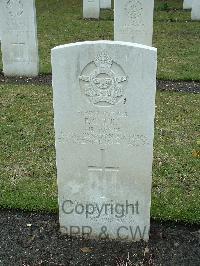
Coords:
103,81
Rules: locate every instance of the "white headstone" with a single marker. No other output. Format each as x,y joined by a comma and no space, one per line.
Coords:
19,38
105,4
195,10
133,21
91,9
0,23
104,105
187,4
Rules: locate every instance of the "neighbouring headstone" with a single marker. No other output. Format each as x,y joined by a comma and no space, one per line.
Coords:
91,9
187,4
133,21
104,105
195,15
19,38
0,23
105,4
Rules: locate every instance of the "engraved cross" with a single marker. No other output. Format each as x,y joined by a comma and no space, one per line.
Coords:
103,169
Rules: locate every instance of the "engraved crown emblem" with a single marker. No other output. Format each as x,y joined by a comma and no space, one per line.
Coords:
103,60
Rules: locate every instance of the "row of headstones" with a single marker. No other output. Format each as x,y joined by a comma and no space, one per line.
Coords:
19,30
104,108
195,6
91,8
133,20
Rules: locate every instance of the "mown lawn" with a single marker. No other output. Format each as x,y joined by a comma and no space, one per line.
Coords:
175,35
28,172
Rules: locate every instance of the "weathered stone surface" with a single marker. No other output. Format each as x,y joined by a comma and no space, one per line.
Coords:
195,15
133,21
19,38
104,105
91,9
187,4
105,4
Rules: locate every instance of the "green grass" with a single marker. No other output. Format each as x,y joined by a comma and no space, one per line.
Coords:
176,182
175,35
28,172
28,176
